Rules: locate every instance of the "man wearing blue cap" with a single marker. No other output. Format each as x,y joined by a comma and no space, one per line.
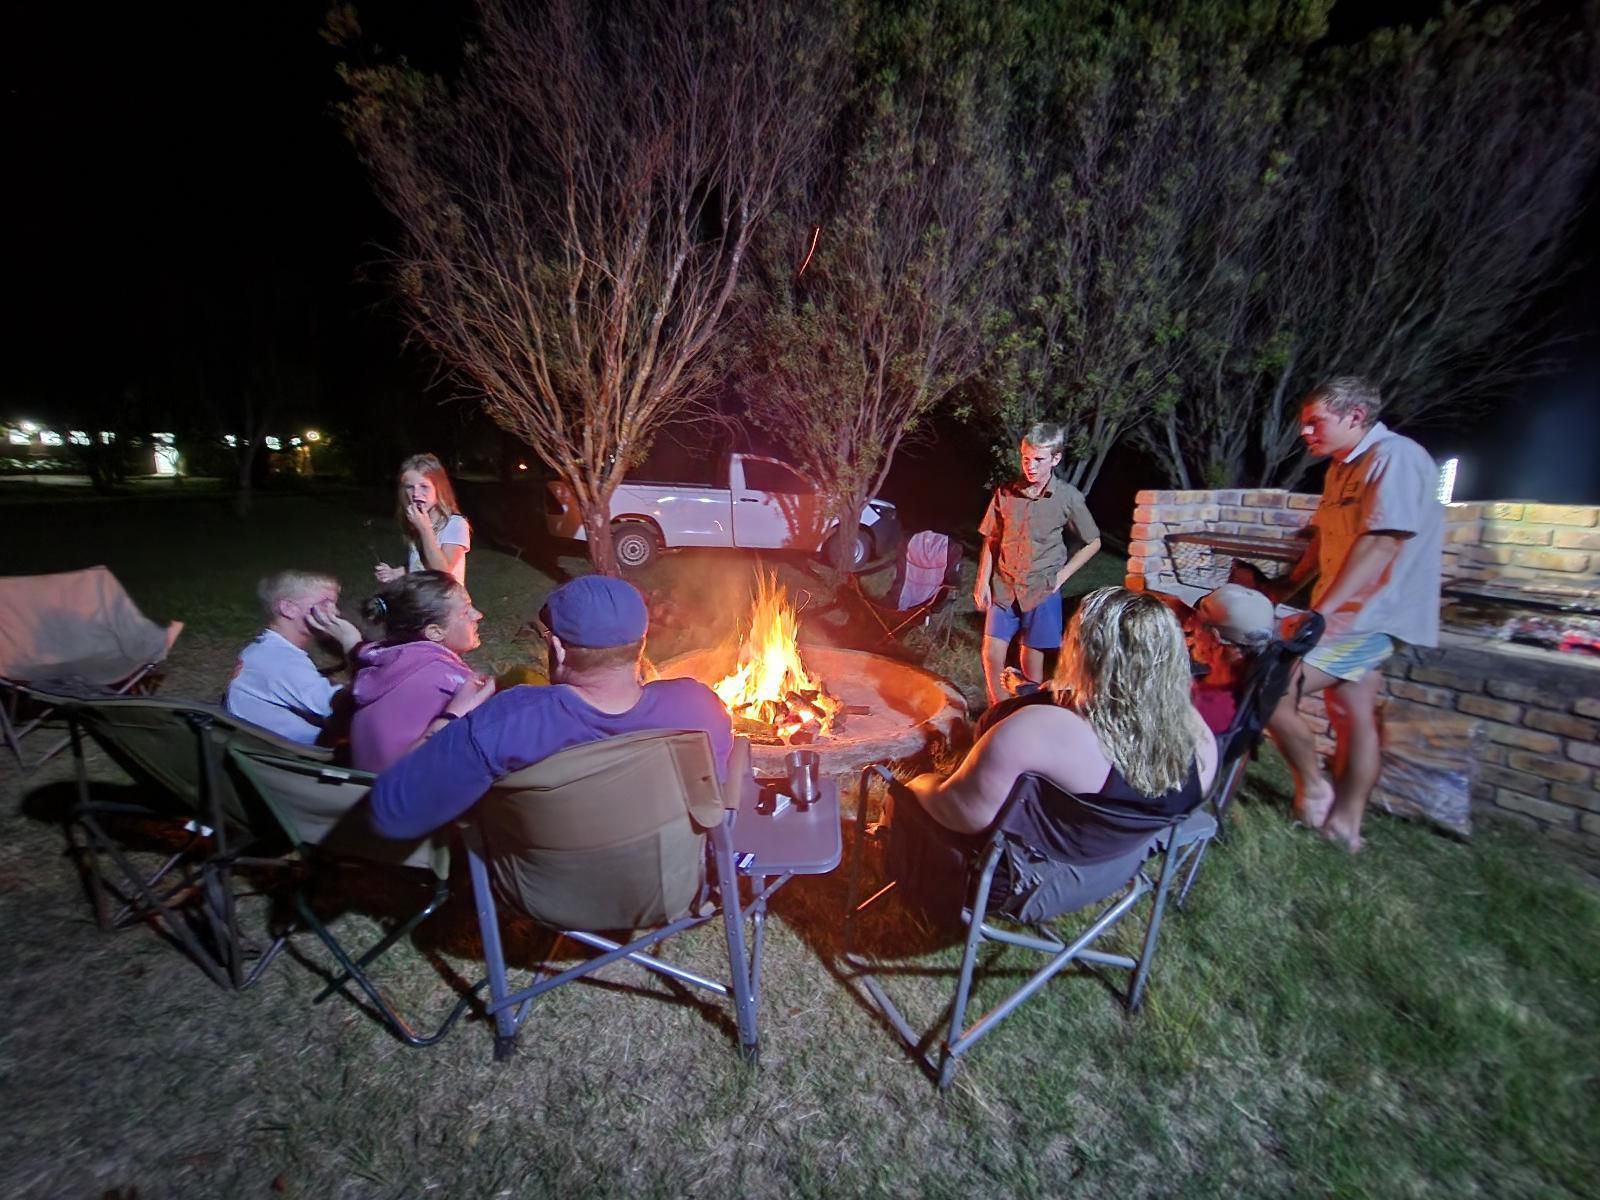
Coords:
594,630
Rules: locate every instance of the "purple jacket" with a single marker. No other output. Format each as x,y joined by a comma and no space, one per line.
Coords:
398,690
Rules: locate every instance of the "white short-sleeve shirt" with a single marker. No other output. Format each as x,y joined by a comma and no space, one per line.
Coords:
276,685
456,532
1389,484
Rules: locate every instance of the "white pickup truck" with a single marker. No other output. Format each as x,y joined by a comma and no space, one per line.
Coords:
766,505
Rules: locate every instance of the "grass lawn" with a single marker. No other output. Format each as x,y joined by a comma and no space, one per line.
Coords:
1416,1022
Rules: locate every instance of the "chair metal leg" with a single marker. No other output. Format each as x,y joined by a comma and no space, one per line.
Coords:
969,961
352,970
744,1001
1169,869
505,1021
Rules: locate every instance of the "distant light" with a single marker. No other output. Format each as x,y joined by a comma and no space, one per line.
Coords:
165,459
1447,479
79,438
17,437
29,427
49,437
313,436
273,444
294,441
522,466
107,437
230,441
165,439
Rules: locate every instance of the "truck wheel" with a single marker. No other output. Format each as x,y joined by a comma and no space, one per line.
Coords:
860,549
635,544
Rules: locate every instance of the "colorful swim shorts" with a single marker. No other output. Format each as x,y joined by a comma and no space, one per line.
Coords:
1351,656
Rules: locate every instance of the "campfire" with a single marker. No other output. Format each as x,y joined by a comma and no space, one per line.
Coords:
770,693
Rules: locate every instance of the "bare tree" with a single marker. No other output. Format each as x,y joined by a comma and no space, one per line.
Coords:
879,284
1430,179
575,209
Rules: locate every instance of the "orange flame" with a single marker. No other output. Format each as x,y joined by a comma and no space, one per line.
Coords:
770,684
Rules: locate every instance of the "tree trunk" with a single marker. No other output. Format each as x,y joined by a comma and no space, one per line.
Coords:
244,496
597,524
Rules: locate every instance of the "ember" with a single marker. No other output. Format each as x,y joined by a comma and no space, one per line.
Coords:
769,692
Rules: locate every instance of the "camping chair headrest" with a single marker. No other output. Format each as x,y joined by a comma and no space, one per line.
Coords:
606,835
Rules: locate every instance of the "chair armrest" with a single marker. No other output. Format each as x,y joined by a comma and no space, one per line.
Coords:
738,771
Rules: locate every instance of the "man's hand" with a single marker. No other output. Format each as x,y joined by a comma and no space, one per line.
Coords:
980,598
387,574
325,621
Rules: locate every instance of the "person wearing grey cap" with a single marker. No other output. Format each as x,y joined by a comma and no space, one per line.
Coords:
594,630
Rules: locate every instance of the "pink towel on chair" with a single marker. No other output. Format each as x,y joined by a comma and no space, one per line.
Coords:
80,624
927,555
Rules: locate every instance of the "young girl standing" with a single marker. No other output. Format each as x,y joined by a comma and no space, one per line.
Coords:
437,535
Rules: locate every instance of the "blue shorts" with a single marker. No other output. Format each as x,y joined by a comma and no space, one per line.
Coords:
1041,627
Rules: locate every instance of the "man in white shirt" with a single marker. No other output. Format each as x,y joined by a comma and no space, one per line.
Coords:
275,684
1378,534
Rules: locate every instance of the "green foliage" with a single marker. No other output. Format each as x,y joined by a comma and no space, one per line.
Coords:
843,359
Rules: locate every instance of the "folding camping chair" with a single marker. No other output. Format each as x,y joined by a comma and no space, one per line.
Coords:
320,808
1016,884
925,582
77,633
1264,688
612,835
233,797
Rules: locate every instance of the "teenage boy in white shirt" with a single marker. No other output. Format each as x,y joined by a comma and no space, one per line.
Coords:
275,684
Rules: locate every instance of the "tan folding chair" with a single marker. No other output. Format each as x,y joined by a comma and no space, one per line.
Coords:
613,835
74,634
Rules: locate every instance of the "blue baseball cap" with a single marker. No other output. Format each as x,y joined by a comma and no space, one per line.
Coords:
596,611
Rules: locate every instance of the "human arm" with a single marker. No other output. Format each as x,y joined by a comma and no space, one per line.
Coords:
988,529
444,549
474,690
1043,738
438,782
1362,571
1075,564
384,573
1303,571
324,621
980,589
1082,526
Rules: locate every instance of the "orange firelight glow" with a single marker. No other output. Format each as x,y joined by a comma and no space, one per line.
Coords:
770,683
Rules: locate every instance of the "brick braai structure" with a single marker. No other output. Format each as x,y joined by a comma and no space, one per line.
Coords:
1540,709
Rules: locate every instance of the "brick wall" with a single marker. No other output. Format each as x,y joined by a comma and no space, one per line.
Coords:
1539,765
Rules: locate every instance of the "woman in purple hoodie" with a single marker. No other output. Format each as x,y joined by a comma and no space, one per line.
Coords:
415,675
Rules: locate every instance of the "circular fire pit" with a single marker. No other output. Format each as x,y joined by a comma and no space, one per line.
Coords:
908,711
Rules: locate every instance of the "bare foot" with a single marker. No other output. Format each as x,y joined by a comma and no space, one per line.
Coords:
1313,803
1336,833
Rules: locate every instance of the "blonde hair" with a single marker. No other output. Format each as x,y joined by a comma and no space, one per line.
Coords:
286,584
1046,435
1124,668
444,495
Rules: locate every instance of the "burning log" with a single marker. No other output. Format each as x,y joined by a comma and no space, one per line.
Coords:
769,693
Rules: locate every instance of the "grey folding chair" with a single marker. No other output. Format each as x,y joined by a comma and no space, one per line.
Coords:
235,804
612,835
1009,887
321,810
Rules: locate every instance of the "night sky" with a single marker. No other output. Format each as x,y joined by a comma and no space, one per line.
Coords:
175,180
